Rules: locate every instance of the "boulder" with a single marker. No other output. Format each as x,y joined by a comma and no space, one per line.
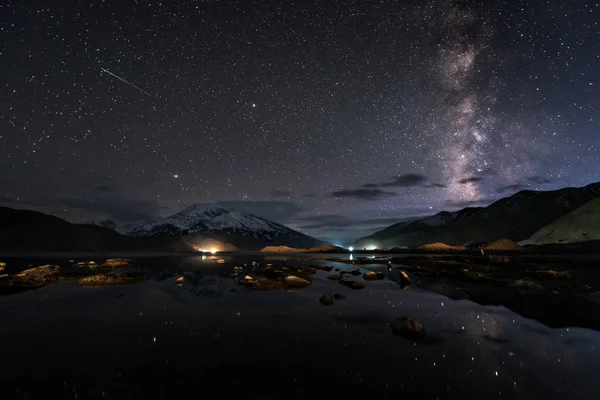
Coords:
408,328
404,279
373,276
292,281
179,281
326,300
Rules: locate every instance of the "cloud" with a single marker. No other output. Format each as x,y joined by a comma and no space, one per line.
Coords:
471,179
362,194
468,203
347,223
437,185
117,208
540,180
511,188
309,195
320,218
103,188
406,180
280,193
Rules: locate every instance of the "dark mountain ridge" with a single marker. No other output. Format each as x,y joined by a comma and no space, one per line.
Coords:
515,217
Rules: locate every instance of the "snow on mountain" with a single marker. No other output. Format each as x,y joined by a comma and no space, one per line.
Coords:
202,218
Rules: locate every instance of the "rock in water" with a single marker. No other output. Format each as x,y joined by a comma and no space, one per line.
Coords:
293,281
404,280
338,296
372,276
353,284
408,328
326,300
335,277
179,281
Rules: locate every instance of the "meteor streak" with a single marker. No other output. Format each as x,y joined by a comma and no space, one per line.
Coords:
121,79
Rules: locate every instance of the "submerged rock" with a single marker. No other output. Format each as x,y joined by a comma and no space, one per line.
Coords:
356,272
179,281
373,276
335,277
408,328
326,300
339,296
525,286
353,284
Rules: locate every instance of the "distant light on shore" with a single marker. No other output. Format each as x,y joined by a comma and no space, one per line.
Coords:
351,248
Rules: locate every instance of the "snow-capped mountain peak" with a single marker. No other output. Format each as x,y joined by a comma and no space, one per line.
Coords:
204,218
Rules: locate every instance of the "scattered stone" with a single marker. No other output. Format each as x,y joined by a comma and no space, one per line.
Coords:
39,274
339,296
179,281
90,264
373,276
353,284
2,266
337,270
109,279
293,281
356,272
249,278
405,280
326,300
116,262
336,277
234,275
408,328
221,261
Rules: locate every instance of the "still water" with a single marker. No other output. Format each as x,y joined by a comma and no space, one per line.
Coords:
212,337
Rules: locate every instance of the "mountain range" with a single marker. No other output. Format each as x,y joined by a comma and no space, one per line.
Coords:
198,227
516,217
531,217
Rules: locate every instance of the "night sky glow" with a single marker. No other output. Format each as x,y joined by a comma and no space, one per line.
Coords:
334,117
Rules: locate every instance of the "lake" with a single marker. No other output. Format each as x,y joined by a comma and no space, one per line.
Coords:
213,337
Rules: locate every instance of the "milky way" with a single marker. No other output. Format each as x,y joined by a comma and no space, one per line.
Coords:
336,118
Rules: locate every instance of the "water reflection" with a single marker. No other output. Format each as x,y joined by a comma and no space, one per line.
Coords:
157,336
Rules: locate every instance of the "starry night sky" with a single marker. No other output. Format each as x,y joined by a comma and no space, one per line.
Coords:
334,117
